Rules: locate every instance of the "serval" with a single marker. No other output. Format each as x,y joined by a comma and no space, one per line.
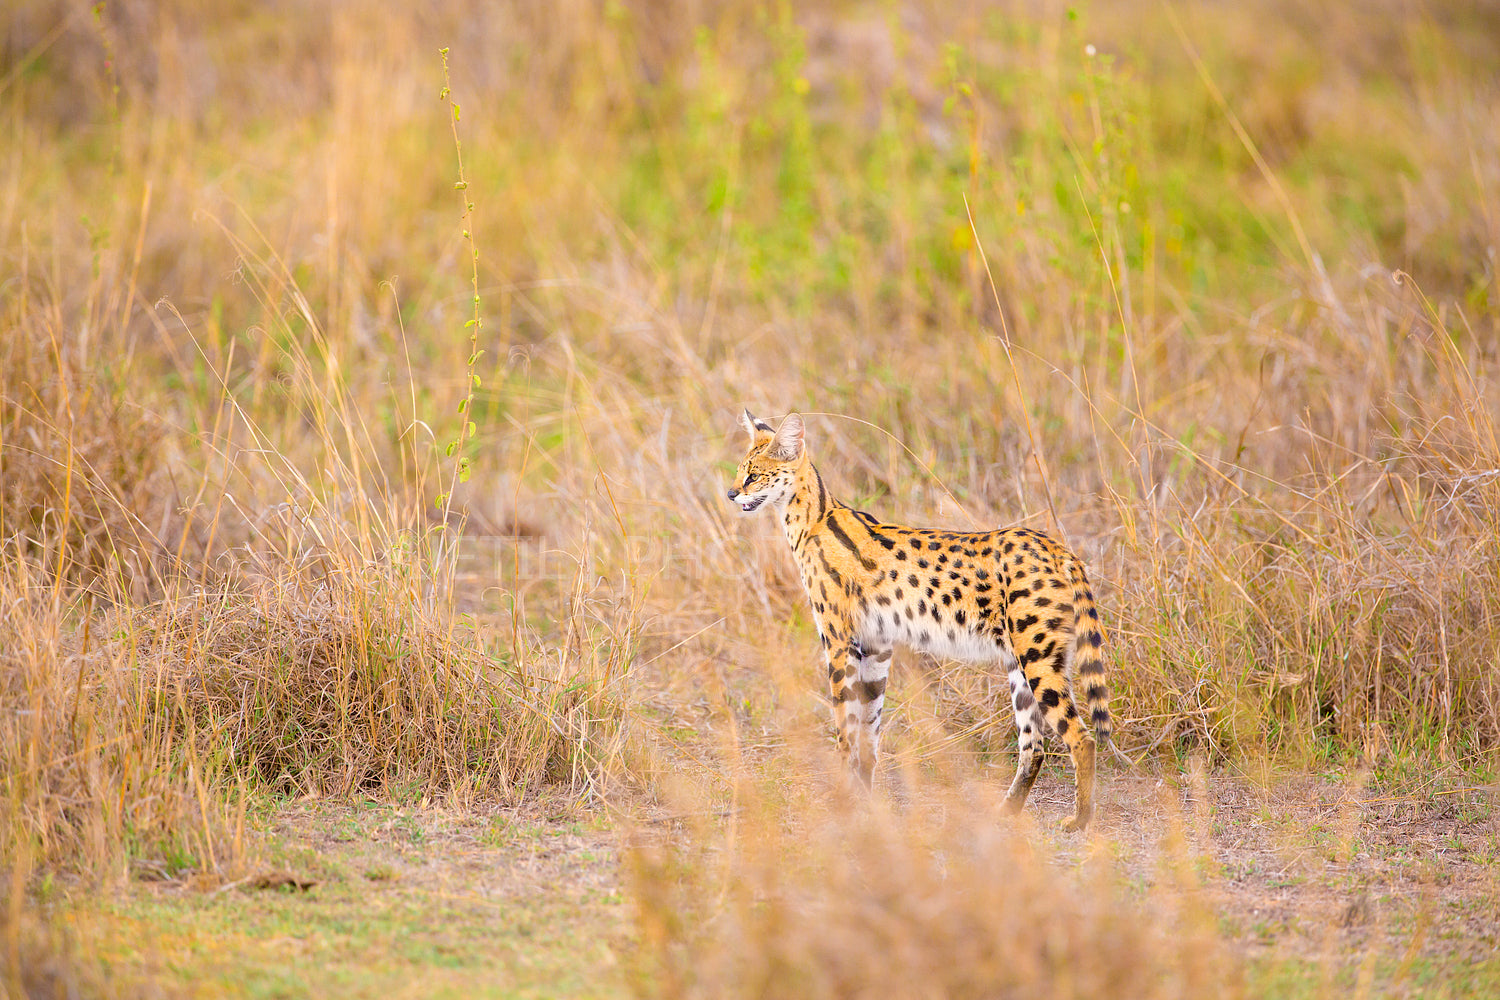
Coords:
1015,595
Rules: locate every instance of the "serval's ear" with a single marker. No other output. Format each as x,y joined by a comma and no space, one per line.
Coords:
788,442
754,426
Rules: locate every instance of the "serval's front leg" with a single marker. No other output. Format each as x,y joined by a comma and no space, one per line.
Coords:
856,703
872,664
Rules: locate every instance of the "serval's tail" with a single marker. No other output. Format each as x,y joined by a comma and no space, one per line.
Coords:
1088,655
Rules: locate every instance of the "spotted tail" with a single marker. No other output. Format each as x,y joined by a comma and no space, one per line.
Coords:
1089,680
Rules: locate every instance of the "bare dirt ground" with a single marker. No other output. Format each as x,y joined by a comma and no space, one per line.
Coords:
1396,892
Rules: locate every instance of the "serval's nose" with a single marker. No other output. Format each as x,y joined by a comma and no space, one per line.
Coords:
732,493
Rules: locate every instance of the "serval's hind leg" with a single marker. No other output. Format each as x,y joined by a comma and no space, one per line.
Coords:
1056,705
1029,740
1083,755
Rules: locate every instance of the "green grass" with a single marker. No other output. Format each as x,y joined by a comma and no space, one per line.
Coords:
1275,978
398,908
344,939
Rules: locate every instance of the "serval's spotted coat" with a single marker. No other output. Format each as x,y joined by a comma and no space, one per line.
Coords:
1014,595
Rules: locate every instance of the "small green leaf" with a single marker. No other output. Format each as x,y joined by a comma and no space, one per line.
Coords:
464,471
472,428
460,185
463,404
449,450
455,111
476,380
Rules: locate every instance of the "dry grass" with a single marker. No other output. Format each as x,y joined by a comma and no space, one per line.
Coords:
1210,292
334,693
937,898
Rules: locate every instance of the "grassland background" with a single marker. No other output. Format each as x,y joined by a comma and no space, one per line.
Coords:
369,385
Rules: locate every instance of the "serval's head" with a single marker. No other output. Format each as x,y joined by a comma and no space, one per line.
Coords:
769,472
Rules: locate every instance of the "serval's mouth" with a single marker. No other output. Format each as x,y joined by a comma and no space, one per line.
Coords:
748,505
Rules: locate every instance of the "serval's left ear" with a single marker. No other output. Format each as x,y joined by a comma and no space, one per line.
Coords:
754,426
788,442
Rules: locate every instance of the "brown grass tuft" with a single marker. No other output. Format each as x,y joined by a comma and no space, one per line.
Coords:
342,690
938,899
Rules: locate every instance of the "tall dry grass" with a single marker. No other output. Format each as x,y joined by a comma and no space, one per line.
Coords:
1210,292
